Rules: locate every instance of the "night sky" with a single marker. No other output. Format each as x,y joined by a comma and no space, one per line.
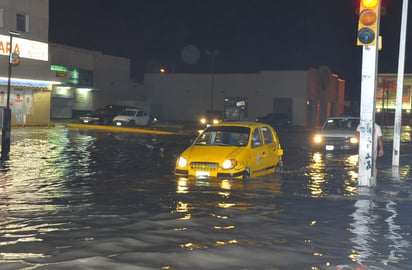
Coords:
249,35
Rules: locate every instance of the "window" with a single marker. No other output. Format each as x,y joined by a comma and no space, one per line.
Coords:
267,134
22,22
256,138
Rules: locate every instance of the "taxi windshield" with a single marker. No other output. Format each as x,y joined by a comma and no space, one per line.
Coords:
224,135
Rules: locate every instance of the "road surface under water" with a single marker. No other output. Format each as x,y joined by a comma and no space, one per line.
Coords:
90,199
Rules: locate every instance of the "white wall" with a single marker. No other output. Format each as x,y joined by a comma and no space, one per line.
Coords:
38,11
187,96
111,74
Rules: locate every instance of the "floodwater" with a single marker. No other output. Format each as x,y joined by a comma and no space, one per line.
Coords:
89,199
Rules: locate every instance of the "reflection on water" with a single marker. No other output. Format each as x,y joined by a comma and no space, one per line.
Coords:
32,183
78,199
374,224
225,207
326,167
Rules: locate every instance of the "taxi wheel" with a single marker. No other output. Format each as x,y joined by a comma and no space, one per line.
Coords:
246,176
279,167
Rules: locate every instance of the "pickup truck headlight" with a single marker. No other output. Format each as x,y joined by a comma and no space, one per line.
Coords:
317,139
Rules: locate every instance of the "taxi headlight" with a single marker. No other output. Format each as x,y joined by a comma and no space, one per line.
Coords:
353,140
215,121
229,164
317,139
203,121
181,162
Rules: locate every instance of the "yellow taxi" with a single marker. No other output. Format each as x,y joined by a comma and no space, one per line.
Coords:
232,149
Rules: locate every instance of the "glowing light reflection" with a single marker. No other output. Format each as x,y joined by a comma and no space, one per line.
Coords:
33,184
17,256
182,186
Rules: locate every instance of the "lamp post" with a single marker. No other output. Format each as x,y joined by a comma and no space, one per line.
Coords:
6,128
212,55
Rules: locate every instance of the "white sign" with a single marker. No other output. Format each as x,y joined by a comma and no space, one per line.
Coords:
25,48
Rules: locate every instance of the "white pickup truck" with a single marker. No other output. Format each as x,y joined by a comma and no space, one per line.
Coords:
132,117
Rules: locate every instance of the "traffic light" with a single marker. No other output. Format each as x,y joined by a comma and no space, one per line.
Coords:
368,27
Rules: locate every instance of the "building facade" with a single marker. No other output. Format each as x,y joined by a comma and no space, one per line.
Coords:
87,80
30,78
309,96
53,80
386,102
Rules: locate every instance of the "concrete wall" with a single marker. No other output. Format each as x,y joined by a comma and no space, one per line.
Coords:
112,79
71,57
111,76
187,96
38,12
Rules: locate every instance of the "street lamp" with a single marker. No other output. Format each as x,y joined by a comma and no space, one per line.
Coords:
212,55
6,128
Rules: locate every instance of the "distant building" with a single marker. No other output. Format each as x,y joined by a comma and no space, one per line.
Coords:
308,96
88,80
386,98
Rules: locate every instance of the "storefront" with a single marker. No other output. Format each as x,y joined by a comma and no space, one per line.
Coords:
74,95
30,80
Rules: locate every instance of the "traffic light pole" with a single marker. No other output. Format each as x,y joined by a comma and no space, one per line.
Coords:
367,142
368,38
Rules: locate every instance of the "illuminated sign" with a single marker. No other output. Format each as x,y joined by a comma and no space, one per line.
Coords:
27,82
386,95
73,76
25,48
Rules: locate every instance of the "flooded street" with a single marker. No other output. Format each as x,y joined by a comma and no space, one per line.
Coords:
90,199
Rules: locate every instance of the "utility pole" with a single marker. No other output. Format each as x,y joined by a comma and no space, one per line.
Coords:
368,38
6,127
399,88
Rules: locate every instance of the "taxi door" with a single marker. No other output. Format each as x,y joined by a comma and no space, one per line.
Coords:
271,145
258,155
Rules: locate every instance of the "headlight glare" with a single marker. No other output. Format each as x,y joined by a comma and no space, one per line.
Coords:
229,164
181,162
317,139
353,140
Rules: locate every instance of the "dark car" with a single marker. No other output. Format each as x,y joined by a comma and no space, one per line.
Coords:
276,119
102,116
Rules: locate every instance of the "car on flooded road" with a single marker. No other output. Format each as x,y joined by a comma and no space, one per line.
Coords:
133,117
102,116
232,149
276,119
211,118
337,133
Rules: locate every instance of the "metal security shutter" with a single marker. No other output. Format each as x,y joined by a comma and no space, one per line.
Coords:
61,107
